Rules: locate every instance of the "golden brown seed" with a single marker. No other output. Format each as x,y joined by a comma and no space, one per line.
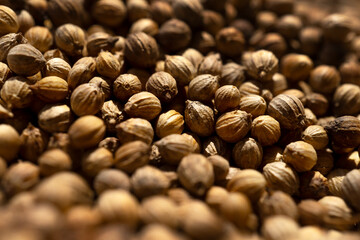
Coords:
8,21
54,161
220,166
174,35
148,181
135,129
108,12
301,155
4,73
336,27
57,67
288,111
233,126
279,227
83,217
40,37
119,206
95,161
9,41
277,203
64,190
24,59
350,188
211,64
141,50
324,79
289,26
338,214
346,100
125,86
195,141
335,179
70,38
199,118
250,87
198,221
230,42
261,65
316,136
311,212
82,71
253,104
250,182
55,53
180,68
100,41
162,85
33,143
9,142
87,99
317,103
111,179
50,89
196,174
216,146
161,11
144,105
61,12
227,97
137,9
280,176
112,113
132,156
107,65
232,74
313,185
350,72
296,67
170,122
344,131
236,208
26,21
215,196
247,154
266,130
86,132
161,210
16,93
145,25
20,177
203,87
174,147
194,56
55,118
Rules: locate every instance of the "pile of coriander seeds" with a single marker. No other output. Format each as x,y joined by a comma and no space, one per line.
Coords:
179,120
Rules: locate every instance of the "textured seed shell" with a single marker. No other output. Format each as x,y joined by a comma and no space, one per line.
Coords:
296,67
169,123
134,129
351,189
211,64
70,38
40,37
196,173
99,41
8,21
288,111
301,155
174,35
346,100
82,71
253,104
173,148
109,12
162,85
16,93
55,118
50,89
280,176
144,105
141,50
107,65
261,65
125,86
247,154
203,87
344,131
9,41
180,68
233,126
87,99
87,131
24,59
266,130
132,155
199,118
57,67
